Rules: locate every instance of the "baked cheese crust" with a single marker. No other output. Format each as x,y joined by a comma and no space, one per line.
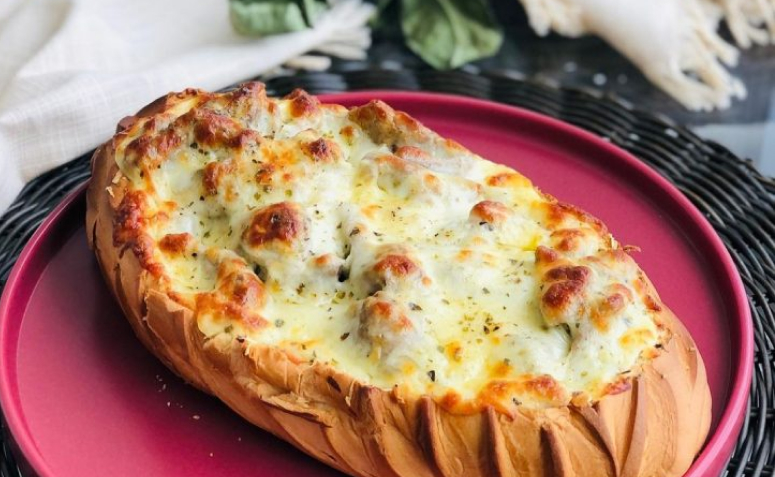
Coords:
363,240
386,300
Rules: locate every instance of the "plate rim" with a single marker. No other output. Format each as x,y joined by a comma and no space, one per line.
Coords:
717,447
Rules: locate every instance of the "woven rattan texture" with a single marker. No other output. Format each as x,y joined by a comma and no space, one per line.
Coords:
737,200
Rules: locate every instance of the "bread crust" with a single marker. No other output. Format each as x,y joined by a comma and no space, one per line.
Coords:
656,427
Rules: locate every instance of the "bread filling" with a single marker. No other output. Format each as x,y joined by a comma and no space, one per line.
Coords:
360,239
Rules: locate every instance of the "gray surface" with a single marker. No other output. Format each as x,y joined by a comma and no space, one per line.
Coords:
755,140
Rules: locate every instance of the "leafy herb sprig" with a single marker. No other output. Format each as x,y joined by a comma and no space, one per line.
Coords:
450,33
270,17
444,33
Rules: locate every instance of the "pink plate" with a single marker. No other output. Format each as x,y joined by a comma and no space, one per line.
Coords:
83,397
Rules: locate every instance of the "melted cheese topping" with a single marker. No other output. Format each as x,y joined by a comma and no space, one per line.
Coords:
363,240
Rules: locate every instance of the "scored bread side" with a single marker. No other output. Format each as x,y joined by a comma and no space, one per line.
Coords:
655,427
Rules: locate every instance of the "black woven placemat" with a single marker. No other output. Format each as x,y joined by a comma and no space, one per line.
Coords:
737,200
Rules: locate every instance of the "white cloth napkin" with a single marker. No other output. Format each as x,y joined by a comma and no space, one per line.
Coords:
71,69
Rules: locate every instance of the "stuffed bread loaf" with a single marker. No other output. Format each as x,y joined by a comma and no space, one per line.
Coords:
384,299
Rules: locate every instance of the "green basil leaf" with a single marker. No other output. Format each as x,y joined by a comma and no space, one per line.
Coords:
266,17
449,33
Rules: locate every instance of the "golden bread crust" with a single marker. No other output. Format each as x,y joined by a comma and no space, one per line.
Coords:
654,426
